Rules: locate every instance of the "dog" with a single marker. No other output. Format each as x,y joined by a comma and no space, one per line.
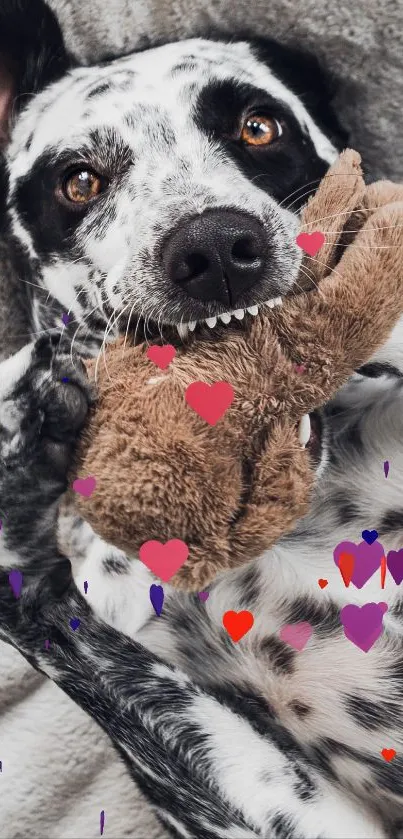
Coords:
159,193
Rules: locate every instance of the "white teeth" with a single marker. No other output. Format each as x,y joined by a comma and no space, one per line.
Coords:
304,430
182,330
226,317
192,325
239,314
211,322
276,301
253,310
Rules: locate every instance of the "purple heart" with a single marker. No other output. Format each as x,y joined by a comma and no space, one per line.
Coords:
367,559
65,319
363,624
203,595
369,536
75,623
386,468
15,580
157,598
395,565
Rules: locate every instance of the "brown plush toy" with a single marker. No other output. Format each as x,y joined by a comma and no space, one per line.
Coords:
231,490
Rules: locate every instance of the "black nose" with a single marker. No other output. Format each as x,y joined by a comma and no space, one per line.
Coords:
217,256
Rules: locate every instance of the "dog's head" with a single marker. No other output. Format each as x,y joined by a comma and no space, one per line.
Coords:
160,188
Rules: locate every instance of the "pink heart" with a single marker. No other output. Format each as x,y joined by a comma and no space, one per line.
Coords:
311,243
84,486
161,356
209,401
164,560
296,635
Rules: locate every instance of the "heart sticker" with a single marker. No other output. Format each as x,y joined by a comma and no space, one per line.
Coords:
84,486
203,595
161,356
323,583
296,635
157,598
363,624
15,579
164,560
369,536
65,319
209,401
388,754
346,565
367,559
394,562
238,624
311,243
74,623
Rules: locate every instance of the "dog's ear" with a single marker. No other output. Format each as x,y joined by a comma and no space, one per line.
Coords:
32,55
303,74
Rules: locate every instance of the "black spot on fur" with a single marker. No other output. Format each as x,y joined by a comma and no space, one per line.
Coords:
377,369
352,438
324,617
391,522
367,714
300,709
99,90
283,827
249,583
114,565
346,509
250,706
286,166
280,655
184,66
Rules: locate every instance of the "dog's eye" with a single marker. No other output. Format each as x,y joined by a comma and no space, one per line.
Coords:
260,131
83,185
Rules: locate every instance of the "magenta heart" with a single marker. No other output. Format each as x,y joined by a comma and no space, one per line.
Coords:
367,559
15,579
395,565
203,595
84,486
363,624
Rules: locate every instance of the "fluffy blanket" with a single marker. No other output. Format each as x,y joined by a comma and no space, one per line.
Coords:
58,770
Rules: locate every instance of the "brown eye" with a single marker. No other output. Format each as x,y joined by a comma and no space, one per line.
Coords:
80,187
260,131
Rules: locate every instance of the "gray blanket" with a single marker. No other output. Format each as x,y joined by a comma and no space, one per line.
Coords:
58,770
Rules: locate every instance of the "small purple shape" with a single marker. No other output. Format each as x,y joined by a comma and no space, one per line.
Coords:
369,536
386,468
157,598
74,623
203,595
102,821
47,645
85,587
65,319
65,380
363,624
15,580
367,559
394,563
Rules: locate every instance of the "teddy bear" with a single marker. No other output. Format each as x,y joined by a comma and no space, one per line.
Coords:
204,451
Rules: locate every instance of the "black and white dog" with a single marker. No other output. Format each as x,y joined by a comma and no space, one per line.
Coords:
155,192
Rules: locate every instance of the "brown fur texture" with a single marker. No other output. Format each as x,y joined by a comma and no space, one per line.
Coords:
230,491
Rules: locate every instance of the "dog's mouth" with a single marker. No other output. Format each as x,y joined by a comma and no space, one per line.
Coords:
147,330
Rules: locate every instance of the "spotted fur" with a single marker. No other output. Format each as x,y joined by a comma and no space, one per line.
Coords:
226,740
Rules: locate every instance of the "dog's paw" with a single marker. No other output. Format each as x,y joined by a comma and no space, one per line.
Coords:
44,401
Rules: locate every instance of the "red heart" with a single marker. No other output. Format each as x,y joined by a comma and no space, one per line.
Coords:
311,243
209,401
164,560
388,754
323,583
346,566
237,624
161,356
